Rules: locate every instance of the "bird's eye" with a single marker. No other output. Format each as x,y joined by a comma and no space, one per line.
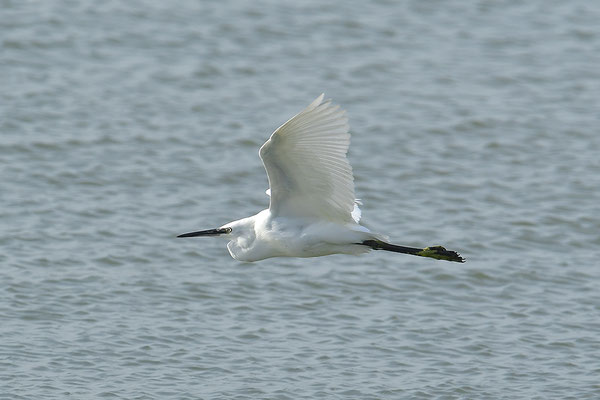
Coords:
228,230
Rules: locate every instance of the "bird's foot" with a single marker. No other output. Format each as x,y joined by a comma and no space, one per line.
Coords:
440,253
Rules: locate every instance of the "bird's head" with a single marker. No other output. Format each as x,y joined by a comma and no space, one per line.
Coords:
241,235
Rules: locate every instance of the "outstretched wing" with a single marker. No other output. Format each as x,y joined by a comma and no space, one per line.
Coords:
305,158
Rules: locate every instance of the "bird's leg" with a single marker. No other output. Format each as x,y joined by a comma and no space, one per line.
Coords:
437,252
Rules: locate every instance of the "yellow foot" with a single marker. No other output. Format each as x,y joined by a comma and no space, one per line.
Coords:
440,253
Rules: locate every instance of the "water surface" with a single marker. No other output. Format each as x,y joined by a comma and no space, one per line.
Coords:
475,126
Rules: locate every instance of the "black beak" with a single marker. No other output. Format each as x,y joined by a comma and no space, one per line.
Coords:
208,232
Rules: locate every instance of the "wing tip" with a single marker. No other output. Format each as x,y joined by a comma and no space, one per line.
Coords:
316,102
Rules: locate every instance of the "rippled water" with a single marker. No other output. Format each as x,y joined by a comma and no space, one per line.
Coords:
475,125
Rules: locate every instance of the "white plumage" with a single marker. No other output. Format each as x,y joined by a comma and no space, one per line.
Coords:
305,158
311,188
312,210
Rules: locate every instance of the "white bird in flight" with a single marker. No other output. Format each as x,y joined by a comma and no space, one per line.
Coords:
313,211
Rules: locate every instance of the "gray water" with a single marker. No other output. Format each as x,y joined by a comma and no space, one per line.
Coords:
475,125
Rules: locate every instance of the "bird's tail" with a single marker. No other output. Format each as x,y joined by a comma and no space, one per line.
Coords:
437,252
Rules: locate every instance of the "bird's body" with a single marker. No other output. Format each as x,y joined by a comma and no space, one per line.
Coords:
266,235
312,211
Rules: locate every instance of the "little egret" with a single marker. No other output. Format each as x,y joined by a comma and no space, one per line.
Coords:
312,210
